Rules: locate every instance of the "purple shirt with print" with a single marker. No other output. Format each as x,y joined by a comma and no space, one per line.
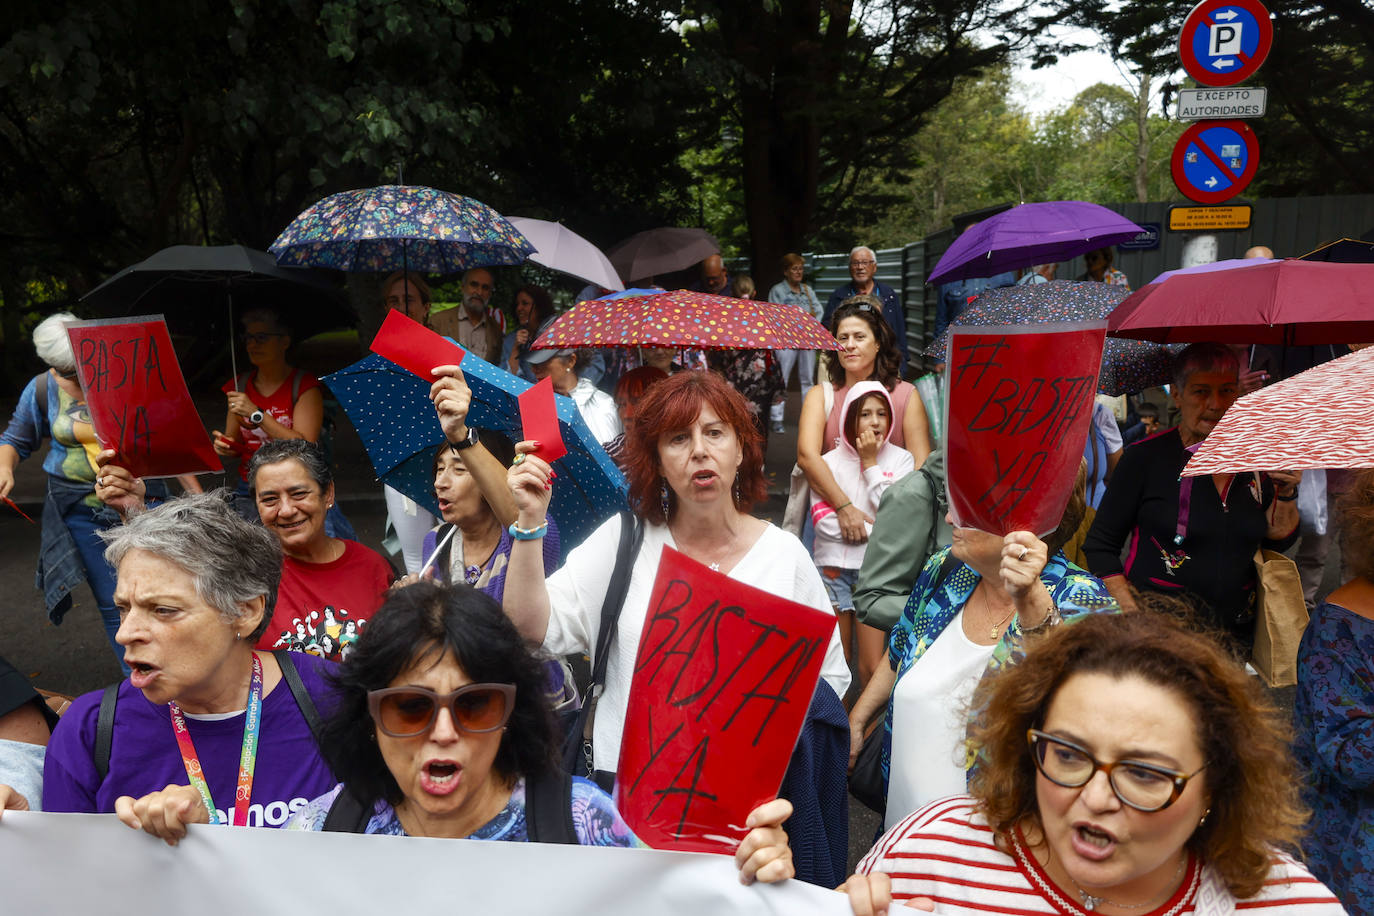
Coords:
144,756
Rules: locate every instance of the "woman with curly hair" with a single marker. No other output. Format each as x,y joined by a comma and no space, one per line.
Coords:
1333,715
1129,766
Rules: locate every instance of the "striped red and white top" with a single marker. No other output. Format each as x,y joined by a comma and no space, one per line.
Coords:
945,851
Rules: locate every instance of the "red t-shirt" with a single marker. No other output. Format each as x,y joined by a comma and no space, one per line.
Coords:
279,407
322,607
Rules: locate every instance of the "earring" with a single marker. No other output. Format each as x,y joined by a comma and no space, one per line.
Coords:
737,490
663,498
1204,817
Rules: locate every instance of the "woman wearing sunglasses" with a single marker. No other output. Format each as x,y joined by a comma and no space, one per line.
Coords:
442,730
1128,766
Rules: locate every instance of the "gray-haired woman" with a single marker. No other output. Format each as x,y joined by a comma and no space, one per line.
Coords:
53,406
196,588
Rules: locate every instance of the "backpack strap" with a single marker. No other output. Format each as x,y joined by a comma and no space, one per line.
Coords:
298,691
347,814
104,730
631,537
548,808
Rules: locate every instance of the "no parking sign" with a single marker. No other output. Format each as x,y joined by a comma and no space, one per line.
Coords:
1224,41
1214,160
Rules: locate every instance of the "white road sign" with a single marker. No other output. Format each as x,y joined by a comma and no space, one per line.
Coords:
1228,102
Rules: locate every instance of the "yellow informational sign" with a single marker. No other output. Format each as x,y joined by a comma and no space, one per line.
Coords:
1205,219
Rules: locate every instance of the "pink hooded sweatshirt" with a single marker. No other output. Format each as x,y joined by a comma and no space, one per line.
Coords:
864,488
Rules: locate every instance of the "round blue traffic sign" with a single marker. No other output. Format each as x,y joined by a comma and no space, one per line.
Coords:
1224,41
1214,160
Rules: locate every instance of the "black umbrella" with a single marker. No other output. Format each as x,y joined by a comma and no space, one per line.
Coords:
1344,251
194,284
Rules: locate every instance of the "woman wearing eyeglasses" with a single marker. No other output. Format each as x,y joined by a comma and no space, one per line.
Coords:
441,730
1127,766
273,400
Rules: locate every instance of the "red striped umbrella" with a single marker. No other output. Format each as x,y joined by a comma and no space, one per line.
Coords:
1321,418
686,319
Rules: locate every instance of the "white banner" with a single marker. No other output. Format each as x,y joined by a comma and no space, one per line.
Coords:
91,863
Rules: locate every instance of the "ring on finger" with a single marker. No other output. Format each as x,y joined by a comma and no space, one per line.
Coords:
519,459
1024,550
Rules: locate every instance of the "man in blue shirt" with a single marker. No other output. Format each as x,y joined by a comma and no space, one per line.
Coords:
863,265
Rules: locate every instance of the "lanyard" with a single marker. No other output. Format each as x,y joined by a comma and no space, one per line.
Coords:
248,757
1185,499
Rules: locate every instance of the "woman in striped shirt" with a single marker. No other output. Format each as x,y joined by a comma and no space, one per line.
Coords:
1128,766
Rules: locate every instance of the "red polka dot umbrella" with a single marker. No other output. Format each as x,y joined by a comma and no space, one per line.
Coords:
686,319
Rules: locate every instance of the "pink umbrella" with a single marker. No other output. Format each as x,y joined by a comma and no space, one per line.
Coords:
1288,302
1321,418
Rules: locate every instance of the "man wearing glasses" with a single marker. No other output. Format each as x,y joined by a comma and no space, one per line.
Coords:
863,268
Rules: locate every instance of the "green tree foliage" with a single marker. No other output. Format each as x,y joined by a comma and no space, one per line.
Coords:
1319,130
980,149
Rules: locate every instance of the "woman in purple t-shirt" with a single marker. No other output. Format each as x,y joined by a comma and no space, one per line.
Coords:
196,585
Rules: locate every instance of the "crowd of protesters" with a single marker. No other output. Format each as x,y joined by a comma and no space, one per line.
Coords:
1039,735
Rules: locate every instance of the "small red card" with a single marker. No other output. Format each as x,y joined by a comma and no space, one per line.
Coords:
539,420
411,345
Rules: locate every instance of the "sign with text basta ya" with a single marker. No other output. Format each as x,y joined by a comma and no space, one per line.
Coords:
138,399
1020,406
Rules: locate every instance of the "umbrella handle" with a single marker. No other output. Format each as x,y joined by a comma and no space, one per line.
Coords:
233,357
438,549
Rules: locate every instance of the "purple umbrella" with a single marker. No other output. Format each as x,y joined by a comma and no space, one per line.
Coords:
1210,266
1031,234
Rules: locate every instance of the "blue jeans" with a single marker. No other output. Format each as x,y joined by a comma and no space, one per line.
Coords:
85,528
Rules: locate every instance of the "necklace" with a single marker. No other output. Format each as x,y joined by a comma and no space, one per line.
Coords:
995,631
1091,902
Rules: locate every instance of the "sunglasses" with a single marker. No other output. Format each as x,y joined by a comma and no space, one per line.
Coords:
1143,786
404,712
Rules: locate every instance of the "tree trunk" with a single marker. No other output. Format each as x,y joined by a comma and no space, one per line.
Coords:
1142,139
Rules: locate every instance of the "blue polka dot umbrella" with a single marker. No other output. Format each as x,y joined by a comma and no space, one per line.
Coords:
1127,365
390,408
400,227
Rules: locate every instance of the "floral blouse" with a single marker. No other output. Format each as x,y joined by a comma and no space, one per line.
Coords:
1333,740
940,594
595,819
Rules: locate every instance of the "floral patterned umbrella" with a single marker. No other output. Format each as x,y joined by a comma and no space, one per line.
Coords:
686,319
1127,365
400,227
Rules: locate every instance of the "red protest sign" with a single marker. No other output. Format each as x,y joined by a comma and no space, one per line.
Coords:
411,345
138,399
539,420
1019,407
721,686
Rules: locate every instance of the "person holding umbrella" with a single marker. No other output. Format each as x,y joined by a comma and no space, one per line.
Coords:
1192,537
273,400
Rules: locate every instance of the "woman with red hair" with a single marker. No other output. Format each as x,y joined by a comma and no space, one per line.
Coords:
695,468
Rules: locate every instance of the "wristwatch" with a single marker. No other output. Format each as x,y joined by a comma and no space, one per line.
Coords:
469,442
255,417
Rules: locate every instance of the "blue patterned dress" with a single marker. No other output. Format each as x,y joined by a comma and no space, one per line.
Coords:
937,599
1333,725
595,819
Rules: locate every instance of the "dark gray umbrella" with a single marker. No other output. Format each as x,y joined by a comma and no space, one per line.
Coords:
661,251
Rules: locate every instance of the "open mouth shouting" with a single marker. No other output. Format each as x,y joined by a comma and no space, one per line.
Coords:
440,777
